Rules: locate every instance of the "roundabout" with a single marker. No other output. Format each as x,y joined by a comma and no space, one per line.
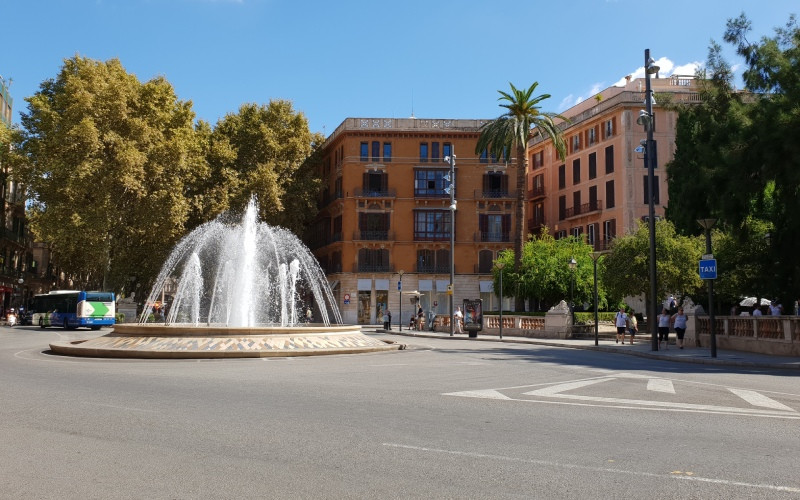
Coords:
197,342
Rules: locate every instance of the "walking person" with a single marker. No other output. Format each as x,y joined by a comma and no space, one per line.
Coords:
622,323
678,321
385,319
459,318
663,328
633,325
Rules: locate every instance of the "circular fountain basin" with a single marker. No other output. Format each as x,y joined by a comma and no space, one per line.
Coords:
178,341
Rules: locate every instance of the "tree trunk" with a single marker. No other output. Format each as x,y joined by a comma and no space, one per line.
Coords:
519,228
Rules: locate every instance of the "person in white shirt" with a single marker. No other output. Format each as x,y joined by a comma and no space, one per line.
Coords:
459,317
775,309
622,323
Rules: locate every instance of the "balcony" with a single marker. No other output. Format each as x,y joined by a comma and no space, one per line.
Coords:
535,225
372,268
373,235
433,268
583,209
327,198
375,193
493,194
492,236
536,193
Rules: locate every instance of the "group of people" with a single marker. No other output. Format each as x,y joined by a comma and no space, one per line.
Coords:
626,322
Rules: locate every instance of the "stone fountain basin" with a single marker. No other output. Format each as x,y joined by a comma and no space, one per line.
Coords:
178,341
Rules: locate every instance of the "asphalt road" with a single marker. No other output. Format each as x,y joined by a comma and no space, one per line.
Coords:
442,419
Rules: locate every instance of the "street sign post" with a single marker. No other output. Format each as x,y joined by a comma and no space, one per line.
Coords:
708,269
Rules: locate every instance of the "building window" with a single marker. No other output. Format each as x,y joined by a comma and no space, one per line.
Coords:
560,235
576,143
430,182
609,230
373,260
562,207
562,177
538,186
577,232
610,159
608,128
538,215
364,151
484,156
431,225
538,159
591,234
433,261
447,150
495,185
423,152
576,171
376,150
373,226
387,151
655,190
593,205
434,151
375,184
592,166
610,194
485,261
494,227
591,136
576,202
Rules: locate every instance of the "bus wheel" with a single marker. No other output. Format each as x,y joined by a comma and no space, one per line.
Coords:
41,323
95,327
66,324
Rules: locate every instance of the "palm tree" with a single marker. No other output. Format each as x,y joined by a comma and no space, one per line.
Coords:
511,132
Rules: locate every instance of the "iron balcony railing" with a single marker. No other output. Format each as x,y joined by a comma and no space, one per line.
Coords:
363,267
433,268
493,193
373,235
375,193
492,236
583,209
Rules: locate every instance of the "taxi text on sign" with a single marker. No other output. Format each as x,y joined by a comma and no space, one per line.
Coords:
708,269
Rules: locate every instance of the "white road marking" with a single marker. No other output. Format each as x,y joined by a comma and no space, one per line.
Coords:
126,408
758,399
660,385
487,394
771,487
554,390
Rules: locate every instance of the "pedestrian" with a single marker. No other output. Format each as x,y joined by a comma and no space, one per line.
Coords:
678,321
389,314
621,322
385,319
775,308
633,325
663,328
459,318
420,318
309,315
757,310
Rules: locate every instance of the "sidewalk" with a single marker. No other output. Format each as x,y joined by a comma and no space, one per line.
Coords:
642,348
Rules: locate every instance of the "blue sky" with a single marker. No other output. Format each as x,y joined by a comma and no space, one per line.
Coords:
333,60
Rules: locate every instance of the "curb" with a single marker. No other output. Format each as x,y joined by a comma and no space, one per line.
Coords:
614,350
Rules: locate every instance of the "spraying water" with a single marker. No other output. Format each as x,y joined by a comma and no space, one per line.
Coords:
245,273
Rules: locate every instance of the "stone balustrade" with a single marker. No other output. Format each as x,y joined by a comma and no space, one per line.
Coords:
776,335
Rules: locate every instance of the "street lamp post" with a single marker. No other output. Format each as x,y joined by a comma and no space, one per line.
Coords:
707,224
451,190
500,265
400,291
646,119
572,265
595,256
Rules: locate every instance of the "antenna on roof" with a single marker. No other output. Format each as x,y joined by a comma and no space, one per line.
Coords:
412,103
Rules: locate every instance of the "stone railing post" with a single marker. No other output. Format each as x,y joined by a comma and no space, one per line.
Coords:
558,321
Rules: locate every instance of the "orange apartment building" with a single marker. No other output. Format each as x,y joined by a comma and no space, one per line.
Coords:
600,190
384,209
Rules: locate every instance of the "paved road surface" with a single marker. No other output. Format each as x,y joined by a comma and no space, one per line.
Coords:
442,419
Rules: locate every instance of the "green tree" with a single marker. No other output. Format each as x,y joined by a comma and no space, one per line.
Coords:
511,132
266,151
737,158
545,277
106,159
626,269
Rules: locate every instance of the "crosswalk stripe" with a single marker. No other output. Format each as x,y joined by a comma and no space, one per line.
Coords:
660,385
758,399
568,386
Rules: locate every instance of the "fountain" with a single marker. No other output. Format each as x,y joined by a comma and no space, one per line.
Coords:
243,289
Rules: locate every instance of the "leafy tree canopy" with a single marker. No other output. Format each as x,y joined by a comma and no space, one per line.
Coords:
106,159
